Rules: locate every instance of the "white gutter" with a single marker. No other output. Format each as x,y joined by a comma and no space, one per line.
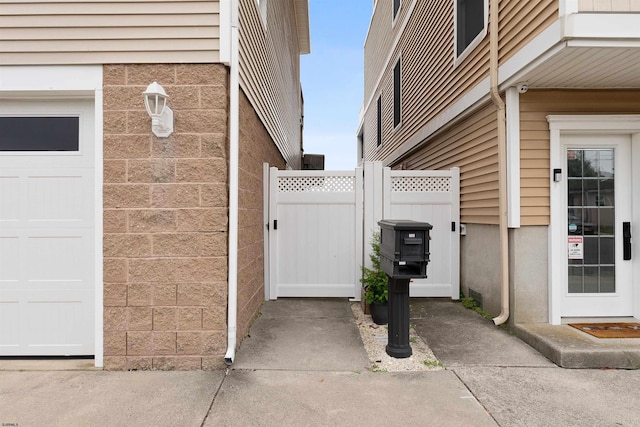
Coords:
502,164
234,124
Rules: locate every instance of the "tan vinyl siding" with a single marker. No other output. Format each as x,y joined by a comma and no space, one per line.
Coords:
470,145
608,6
522,21
535,105
116,31
383,31
430,80
270,72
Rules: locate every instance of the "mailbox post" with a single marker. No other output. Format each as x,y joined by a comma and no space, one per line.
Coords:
404,254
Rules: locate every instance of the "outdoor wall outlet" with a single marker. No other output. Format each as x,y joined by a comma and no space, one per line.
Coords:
463,229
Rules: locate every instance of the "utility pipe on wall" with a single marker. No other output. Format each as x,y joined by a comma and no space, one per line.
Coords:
502,164
234,125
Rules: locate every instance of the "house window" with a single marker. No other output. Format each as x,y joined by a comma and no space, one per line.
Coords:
39,133
397,93
471,24
396,8
379,122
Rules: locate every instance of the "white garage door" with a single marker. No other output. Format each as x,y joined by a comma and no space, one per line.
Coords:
46,228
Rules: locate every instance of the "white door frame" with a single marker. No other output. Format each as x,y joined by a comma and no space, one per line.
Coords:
70,82
576,124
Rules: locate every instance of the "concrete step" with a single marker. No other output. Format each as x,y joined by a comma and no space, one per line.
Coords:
570,348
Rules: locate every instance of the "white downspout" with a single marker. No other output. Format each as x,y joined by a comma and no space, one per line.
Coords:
502,164
234,124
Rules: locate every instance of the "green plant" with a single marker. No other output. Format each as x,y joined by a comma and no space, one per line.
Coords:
432,363
413,340
374,280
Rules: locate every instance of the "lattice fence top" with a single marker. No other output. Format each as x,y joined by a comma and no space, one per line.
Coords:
421,184
324,184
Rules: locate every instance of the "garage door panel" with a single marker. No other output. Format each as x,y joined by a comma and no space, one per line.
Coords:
56,257
11,256
10,189
47,233
10,318
59,320
56,199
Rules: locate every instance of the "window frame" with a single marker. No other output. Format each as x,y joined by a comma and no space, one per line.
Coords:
397,93
459,58
396,5
379,121
79,151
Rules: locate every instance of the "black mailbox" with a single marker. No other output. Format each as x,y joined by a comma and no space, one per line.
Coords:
404,248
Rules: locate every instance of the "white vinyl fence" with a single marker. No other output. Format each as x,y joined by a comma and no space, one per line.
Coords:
320,223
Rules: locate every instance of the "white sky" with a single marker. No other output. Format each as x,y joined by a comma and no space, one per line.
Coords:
332,79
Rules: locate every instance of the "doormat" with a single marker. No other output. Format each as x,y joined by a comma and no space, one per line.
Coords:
609,330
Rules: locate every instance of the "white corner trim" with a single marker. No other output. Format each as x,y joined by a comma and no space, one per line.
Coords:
225,32
567,7
513,157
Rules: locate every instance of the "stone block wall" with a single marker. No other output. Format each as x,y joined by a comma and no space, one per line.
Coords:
165,219
256,147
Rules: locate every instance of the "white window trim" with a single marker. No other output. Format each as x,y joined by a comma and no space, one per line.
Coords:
458,59
60,81
559,125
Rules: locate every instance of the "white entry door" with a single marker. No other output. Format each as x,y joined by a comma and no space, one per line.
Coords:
598,214
47,228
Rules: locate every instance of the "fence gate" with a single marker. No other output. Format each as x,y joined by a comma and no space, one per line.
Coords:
319,225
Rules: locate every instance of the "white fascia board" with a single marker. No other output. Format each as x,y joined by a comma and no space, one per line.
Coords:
602,26
225,32
59,78
536,51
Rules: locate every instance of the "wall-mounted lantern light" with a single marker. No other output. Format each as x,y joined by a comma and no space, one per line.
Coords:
155,101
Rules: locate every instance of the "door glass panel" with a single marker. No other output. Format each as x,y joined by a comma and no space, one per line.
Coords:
39,133
591,220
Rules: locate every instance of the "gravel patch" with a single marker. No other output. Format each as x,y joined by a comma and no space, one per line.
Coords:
374,337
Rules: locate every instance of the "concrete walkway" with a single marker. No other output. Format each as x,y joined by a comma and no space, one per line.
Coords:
514,383
304,364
